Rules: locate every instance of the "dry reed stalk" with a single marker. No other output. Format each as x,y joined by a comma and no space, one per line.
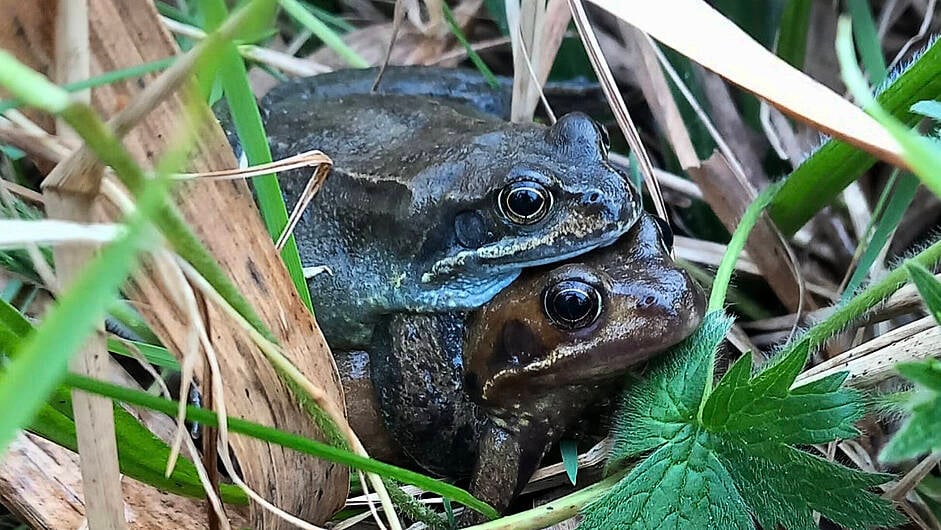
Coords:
71,197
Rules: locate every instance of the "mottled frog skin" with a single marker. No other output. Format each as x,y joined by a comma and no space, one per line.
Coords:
433,205
486,394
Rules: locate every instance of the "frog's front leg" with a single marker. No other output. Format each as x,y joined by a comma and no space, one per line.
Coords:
508,454
416,368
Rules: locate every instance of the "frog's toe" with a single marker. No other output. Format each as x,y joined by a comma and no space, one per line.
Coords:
310,272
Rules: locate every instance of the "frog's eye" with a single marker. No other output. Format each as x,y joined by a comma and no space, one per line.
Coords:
524,202
571,304
666,233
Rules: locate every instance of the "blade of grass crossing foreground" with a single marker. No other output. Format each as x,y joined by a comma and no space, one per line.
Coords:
251,133
792,35
323,32
285,439
141,455
114,76
826,172
867,40
923,154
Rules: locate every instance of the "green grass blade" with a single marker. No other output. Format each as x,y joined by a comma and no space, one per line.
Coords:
923,154
138,70
867,40
254,140
792,34
338,22
323,32
820,178
901,197
170,11
285,439
128,317
155,355
471,53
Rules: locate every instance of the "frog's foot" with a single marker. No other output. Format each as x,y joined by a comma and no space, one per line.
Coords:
310,272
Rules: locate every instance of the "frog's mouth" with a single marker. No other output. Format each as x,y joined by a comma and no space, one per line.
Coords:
504,257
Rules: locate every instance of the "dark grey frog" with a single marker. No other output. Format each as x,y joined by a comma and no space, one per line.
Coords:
433,204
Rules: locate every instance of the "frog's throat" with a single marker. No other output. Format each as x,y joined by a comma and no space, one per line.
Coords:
463,294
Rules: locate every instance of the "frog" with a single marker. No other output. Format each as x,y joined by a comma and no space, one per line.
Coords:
434,204
483,395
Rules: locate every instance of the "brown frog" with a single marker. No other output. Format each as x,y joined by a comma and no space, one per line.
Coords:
486,394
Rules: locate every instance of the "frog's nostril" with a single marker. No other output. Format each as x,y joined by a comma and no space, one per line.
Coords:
593,197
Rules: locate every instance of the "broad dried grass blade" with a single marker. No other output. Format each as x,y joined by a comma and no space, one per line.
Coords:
701,33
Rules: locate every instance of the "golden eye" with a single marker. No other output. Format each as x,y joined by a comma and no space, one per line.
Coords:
572,304
524,202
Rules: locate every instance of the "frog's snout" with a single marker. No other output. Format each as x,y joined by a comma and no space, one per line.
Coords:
613,212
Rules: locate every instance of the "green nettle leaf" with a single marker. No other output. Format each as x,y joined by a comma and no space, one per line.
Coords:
928,287
725,459
922,432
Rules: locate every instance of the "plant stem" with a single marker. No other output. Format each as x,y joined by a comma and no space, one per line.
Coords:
864,301
555,511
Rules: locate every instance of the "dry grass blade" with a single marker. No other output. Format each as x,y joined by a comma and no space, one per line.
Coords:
873,362
15,233
617,104
656,90
729,191
314,183
22,192
286,63
312,158
729,195
278,360
907,483
699,32
398,16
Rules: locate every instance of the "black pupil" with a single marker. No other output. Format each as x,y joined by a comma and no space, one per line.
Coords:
525,202
572,304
